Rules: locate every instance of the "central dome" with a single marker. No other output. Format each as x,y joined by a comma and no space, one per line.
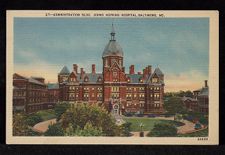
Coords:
112,48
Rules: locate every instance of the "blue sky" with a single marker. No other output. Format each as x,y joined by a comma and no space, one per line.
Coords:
179,46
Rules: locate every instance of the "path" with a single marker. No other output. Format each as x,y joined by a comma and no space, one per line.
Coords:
188,127
43,126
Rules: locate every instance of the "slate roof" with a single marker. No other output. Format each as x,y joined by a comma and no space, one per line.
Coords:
64,70
37,77
35,81
158,71
134,78
204,92
53,86
91,77
113,49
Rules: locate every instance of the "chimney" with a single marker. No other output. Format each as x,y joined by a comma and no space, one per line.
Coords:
144,73
81,73
131,69
93,68
149,69
206,84
75,67
123,69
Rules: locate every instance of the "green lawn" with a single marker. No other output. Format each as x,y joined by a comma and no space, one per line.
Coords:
148,122
46,114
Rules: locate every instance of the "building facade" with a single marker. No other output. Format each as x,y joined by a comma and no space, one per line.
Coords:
126,92
31,94
200,100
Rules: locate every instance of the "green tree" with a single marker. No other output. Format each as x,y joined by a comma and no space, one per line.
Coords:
88,130
87,117
20,127
60,109
33,119
163,130
174,105
126,128
54,130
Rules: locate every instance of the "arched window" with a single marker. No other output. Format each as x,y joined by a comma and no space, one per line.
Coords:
86,79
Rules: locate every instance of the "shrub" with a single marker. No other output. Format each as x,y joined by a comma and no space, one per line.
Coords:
126,128
60,109
20,127
89,130
54,130
33,119
203,120
163,130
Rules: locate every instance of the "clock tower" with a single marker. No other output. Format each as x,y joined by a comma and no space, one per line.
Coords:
113,71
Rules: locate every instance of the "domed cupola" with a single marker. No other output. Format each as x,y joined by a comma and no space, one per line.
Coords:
112,48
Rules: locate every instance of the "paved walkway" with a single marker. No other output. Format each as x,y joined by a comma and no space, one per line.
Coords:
43,126
187,128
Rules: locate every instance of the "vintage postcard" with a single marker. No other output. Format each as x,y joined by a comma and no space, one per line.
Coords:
112,77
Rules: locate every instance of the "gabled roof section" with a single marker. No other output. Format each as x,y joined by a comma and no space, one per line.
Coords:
204,92
64,70
92,78
73,73
17,76
158,71
115,64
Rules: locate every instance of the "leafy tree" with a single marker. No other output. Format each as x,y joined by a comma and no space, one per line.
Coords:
33,119
54,130
163,130
89,117
174,105
20,127
89,130
60,109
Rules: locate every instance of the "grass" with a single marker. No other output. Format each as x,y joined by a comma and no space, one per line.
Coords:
46,114
148,123
202,133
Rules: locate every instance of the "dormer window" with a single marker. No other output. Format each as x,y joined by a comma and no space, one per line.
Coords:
86,79
99,79
128,79
154,80
72,79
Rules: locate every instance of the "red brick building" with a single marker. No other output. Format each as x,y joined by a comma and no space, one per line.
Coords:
200,100
203,99
131,92
30,94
